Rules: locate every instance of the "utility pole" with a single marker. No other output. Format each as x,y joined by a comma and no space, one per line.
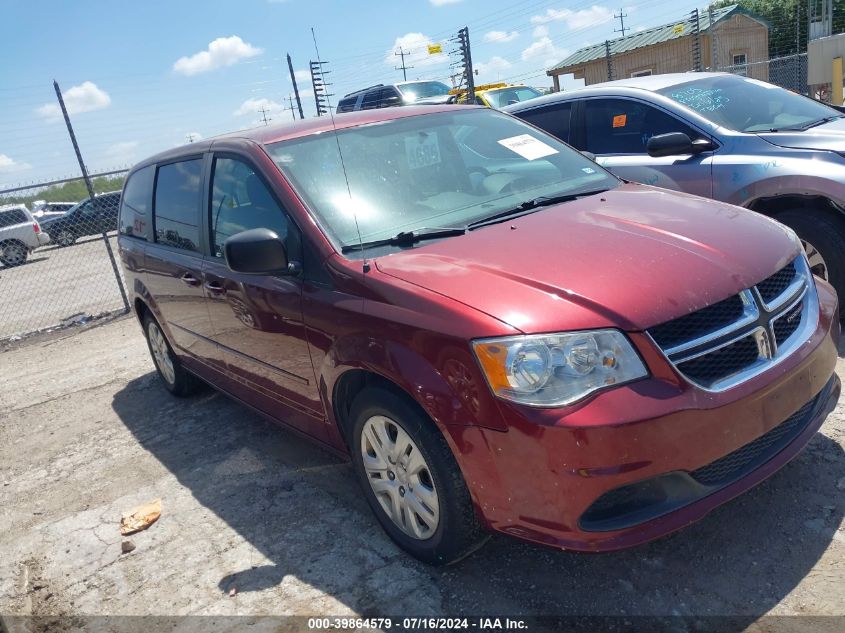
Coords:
292,111
90,189
403,67
696,41
263,112
318,81
714,45
466,61
609,60
189,138
621,17
295,89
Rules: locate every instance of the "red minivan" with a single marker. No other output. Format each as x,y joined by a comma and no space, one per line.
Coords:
500,333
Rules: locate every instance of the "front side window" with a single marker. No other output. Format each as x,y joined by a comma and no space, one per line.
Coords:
241,201
748,105
177,204
623,126
371,100
435,170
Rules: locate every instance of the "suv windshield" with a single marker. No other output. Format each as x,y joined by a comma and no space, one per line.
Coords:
505,96
748,105
429,171
422,89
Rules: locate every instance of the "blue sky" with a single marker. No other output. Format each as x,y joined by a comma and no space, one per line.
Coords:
140,77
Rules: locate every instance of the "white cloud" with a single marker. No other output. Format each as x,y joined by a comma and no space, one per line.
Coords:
493,66
540,31
224,51
302,75
123,152
500,36
575,19
545,48
440,3
415,46
253,105
8,165
85,97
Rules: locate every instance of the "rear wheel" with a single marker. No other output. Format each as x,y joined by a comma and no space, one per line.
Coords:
411,479
176,379
65,237
13,253
823,237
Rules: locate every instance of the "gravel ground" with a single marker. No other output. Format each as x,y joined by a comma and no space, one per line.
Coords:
258,521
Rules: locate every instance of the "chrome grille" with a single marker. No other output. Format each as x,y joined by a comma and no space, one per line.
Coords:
733,340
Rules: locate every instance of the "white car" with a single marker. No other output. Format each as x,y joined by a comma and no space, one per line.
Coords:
20,234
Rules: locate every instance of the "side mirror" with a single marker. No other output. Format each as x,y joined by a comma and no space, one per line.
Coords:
589,155
675,144
257,252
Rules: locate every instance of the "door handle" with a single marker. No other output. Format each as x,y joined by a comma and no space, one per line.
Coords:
215,288
189,279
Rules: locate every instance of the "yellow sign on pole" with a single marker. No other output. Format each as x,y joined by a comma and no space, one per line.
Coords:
679,28
434,49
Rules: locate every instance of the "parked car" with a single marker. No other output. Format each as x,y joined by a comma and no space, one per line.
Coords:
498,95
720,136
20,234
85,218
500,333
398,94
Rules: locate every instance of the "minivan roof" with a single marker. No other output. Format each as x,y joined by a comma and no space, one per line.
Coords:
287,131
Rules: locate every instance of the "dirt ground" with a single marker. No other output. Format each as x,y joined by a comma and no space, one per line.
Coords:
258,521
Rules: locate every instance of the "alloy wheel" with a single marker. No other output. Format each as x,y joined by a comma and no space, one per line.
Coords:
400,477
65,238
13,254
161,353
817,264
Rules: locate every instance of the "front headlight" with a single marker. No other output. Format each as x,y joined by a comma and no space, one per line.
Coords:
552,370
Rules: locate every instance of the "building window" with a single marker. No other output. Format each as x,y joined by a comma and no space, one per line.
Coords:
642,73
740,64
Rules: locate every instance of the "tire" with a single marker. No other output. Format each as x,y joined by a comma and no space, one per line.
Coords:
13,253
824,238
65,237
176,379
446,526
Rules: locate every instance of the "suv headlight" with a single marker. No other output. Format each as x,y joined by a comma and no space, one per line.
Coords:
552,370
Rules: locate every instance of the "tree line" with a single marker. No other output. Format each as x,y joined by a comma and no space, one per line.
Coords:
73,191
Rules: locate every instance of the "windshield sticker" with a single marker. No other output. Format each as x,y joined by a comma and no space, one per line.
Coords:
422,150
620,120
588,170
528,147
701,99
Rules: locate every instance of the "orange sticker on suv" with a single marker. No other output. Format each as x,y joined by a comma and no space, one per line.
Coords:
620,120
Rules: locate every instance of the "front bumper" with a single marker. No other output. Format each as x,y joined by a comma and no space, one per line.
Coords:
541,480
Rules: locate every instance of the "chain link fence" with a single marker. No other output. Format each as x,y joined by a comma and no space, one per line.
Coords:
57,268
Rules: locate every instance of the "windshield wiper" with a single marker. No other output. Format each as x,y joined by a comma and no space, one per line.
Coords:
407,238
806,126
530,206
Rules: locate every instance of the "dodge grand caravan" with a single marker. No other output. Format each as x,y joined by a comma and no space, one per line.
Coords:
500,333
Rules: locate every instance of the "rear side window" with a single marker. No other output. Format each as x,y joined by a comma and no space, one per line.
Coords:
553,119
12,217
346,105
177,204
371,100
137,203
241,201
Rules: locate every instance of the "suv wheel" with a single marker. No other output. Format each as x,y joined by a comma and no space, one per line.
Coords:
13,253
823,237
411,479
176,379
65,237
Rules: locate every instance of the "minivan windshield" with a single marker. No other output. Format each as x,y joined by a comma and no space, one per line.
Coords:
514,94
749,105
422,89
440,170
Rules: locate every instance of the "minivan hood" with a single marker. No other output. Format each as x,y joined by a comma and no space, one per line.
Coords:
630,258
829,137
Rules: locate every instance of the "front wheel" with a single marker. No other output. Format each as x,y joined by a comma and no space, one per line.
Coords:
13,253
411,479
823,238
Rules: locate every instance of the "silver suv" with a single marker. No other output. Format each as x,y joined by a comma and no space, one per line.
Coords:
20,234
720,136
